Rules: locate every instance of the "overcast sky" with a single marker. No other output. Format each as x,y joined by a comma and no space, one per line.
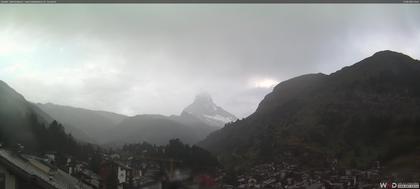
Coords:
154,58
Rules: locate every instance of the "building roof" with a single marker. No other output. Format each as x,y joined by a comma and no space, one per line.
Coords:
33,169
122,165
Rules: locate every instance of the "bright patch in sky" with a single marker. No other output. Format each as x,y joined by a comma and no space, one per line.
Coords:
265,83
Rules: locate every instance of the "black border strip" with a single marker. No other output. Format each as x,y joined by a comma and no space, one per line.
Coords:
212,1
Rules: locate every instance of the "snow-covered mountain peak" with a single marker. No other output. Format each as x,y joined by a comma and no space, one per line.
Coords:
206,110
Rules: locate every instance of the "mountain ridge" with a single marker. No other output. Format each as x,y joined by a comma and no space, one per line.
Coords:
348,115
86,125
112,129
24,124
190,126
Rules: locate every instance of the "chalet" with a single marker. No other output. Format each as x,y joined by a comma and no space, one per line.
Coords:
118,173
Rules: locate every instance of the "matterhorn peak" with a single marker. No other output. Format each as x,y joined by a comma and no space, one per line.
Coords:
206,110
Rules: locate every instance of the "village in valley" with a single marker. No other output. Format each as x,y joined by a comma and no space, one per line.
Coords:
152,169
286,176
147,166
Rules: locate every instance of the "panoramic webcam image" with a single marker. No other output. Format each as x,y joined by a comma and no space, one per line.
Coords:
209,96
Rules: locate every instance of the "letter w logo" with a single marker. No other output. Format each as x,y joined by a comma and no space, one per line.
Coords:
384,185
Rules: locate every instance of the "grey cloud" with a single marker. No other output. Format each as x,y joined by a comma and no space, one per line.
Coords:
160,55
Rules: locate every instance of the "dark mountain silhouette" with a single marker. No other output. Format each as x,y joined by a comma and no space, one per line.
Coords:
15,113
22,123
360,114
86,125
